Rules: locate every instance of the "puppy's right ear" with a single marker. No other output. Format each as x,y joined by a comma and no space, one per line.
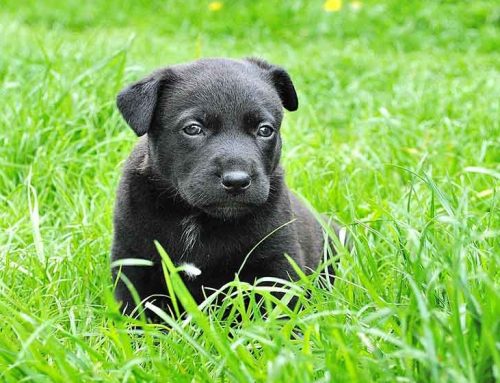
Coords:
137,102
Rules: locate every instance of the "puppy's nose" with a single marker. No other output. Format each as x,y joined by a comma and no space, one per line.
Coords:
236,181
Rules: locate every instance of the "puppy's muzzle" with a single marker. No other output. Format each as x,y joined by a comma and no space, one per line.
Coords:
236,181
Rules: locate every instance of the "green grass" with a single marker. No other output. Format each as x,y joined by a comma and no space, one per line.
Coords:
397,135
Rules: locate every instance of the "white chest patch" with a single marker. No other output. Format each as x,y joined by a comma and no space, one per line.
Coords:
190,270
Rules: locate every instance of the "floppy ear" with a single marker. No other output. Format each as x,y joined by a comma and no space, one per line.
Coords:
137,102
281,81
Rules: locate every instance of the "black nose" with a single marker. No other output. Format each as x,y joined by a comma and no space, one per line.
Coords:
236,181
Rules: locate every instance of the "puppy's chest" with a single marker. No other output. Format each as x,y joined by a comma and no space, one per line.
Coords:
214,249
202,241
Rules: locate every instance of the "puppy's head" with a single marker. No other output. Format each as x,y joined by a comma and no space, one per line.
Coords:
213,129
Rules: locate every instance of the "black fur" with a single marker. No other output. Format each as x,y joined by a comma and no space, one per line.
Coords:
172,186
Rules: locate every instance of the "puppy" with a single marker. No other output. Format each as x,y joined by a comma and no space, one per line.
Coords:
204,179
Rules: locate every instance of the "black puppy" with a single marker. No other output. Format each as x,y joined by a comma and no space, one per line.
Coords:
205,181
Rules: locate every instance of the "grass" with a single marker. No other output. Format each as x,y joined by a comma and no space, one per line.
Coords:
397,136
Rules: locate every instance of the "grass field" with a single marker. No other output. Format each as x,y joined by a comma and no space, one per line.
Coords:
397,135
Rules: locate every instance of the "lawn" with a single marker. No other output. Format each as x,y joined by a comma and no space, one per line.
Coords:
397,136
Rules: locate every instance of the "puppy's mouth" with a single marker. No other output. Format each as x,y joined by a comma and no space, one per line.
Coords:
218,203
228,209
229,205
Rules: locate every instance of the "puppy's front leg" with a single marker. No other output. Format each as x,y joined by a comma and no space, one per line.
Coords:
272,267
148,282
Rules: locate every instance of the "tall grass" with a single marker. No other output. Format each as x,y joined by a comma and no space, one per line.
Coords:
397,136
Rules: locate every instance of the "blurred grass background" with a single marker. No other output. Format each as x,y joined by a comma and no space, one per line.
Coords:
397,135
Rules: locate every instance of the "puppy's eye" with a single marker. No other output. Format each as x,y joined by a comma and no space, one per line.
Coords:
193,130
265,131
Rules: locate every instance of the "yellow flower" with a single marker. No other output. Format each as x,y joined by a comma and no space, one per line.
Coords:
215,6
356,5
332,5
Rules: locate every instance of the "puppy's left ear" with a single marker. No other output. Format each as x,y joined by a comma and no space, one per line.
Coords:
137,102
281,81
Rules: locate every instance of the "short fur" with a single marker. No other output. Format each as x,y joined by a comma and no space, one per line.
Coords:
171,189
